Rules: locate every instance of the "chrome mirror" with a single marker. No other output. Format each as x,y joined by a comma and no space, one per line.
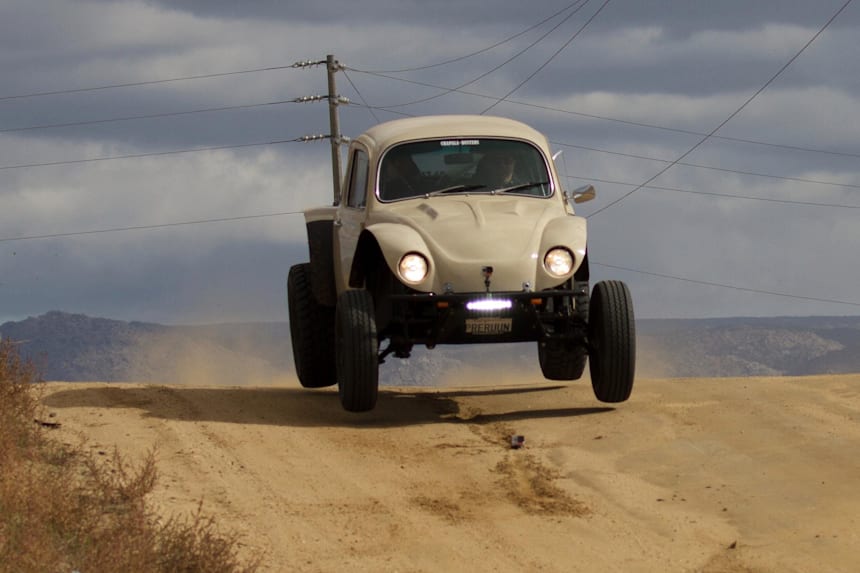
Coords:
584,193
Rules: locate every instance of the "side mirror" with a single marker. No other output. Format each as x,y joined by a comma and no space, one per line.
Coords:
583,194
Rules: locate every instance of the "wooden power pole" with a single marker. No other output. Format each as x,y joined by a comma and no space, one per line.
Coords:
332,66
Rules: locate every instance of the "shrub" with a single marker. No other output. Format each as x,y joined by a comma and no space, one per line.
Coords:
62,509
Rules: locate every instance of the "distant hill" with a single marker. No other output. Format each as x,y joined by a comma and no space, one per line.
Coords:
780,346
77,347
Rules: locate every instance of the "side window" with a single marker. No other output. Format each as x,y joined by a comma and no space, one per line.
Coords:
357,196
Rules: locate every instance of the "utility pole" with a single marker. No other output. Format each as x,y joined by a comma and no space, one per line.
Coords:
334,100
332,66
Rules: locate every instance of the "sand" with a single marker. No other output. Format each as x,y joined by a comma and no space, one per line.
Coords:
713,475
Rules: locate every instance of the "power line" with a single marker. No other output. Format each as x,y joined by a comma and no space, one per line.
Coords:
481,51
146,227
710,167
728,286
158,153
731,116
613,119
361,97
491,70
725,195
146,83
149,116
678,130
551,58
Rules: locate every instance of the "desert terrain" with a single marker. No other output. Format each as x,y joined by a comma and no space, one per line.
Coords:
712,475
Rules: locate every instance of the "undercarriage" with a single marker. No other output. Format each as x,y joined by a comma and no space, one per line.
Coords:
480,318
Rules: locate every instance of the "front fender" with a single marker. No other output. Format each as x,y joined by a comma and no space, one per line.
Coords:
395,240
570,232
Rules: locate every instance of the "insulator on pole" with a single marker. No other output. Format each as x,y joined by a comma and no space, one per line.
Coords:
306,99
315,137
308,63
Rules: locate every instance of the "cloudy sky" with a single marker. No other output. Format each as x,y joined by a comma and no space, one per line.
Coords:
624,88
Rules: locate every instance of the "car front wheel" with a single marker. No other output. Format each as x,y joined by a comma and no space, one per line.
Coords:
612,341
356,350
560,361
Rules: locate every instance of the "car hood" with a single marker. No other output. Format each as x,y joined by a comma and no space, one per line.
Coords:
465,233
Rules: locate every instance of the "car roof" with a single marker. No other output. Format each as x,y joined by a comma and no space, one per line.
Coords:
389,133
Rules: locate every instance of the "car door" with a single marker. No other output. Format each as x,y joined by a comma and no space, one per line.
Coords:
351,214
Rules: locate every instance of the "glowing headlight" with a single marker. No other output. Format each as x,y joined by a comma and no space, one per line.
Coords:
558,261
413,267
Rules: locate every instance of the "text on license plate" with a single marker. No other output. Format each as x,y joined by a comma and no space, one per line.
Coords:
487,325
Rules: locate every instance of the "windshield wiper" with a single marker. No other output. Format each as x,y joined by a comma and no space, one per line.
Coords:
456,189
520,187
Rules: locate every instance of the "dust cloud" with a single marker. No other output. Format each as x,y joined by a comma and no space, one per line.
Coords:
180,358
251,355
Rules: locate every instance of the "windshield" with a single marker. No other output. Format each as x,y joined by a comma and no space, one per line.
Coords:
463,166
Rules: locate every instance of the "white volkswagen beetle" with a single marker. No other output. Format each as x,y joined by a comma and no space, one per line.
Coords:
453,230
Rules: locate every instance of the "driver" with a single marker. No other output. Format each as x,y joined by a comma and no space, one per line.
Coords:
400,177
496,169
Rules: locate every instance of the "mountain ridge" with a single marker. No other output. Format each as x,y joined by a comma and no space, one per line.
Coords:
77,347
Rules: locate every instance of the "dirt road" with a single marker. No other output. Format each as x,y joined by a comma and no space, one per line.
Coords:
754,474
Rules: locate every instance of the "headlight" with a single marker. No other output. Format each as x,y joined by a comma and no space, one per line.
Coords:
558,261
413,267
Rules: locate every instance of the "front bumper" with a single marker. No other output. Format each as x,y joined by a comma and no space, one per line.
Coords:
477,318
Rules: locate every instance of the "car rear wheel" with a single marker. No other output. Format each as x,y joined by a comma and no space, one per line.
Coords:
311,331
356,349
612,341
559,361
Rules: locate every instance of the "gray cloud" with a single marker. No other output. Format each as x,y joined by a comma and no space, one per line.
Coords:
223,282
681,64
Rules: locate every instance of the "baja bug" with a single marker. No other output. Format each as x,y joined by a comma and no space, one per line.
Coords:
453,230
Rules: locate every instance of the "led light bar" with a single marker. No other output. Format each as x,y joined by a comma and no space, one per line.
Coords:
489,304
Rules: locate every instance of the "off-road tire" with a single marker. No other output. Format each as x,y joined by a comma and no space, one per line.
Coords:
560,361
356,350
612,341
311,331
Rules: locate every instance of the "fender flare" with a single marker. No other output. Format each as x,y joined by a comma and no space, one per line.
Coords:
569,232
389,241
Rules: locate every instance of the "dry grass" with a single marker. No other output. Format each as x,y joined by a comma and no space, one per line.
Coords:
63,510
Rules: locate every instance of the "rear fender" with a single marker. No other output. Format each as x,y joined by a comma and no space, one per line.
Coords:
320,245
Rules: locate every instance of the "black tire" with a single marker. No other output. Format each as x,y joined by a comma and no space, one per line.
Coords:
311,331
356,350
612,341
559,361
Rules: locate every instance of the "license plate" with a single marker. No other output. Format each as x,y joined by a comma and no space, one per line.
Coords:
488,325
